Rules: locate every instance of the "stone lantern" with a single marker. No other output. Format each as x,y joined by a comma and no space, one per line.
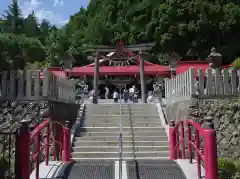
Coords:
215,58
66,65
173,66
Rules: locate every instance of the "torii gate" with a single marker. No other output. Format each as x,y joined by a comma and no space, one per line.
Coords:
118,49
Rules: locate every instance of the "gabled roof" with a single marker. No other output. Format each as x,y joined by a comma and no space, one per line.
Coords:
129,52
121,70
149,68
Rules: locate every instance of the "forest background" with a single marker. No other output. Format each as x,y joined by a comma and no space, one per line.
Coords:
179,27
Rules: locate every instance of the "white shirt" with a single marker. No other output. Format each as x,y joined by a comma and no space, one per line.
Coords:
92,93
149,99
115,94
131,90
106,90
91,98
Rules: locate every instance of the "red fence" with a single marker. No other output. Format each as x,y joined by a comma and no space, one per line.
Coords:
34,146
208,154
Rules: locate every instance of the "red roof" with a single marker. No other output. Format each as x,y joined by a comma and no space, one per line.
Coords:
60,74
130,54
121,70
149,68
184,66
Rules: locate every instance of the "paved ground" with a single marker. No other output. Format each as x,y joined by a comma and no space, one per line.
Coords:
109,101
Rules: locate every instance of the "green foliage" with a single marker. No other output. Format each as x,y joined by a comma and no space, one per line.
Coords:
3,162
226,169
236,63
237,165
176,26
13,45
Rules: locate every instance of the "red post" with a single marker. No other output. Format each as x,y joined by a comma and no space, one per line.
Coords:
172,140
23,151
189,143
47,140
61,142
67,143
211,147
183,140
38,138
55,141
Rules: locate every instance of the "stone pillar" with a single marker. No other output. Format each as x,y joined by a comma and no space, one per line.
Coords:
142,78
96,79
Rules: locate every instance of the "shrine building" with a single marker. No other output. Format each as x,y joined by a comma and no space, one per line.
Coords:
124,69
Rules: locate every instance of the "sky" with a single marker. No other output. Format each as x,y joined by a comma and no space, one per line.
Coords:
56,12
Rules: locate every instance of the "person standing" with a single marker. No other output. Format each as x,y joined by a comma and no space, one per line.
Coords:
106,92
135,95
125,95
115,96
150,97
85,90
131,91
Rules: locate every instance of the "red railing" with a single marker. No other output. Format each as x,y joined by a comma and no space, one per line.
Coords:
208,154
34,146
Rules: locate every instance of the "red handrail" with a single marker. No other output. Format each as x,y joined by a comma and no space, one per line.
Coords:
26,138
208,155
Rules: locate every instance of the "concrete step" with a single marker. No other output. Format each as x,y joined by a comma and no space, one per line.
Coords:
118,158
115,129
124,124
125,138
116,154
117,115
124,118
116,149
124,121
161,132
116,143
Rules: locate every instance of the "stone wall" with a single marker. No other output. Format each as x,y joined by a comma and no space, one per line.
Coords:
177,111
226,114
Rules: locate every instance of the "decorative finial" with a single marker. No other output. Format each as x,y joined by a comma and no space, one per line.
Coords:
214,50
67,124
208,122
172,123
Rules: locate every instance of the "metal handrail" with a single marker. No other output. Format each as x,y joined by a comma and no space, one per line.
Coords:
120,135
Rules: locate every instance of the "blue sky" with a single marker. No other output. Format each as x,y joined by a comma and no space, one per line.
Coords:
56,11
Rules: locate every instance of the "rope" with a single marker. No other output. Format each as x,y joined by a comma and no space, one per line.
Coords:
120,136
133,143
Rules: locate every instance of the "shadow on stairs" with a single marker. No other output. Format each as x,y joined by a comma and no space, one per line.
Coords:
88,170
154,169
135,169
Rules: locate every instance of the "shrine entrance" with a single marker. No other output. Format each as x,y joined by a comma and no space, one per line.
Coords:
117,84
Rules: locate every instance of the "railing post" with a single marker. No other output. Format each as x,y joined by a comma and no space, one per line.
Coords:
23,151
210,149
47,145
172,140
67,144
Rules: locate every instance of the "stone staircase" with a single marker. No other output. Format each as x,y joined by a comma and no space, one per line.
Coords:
98,136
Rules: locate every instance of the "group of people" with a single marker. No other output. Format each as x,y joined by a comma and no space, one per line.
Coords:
131,94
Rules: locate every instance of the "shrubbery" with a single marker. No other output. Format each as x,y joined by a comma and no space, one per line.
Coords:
236,63
3,165
226,169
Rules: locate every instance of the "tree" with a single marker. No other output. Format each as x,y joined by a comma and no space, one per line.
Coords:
13,18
